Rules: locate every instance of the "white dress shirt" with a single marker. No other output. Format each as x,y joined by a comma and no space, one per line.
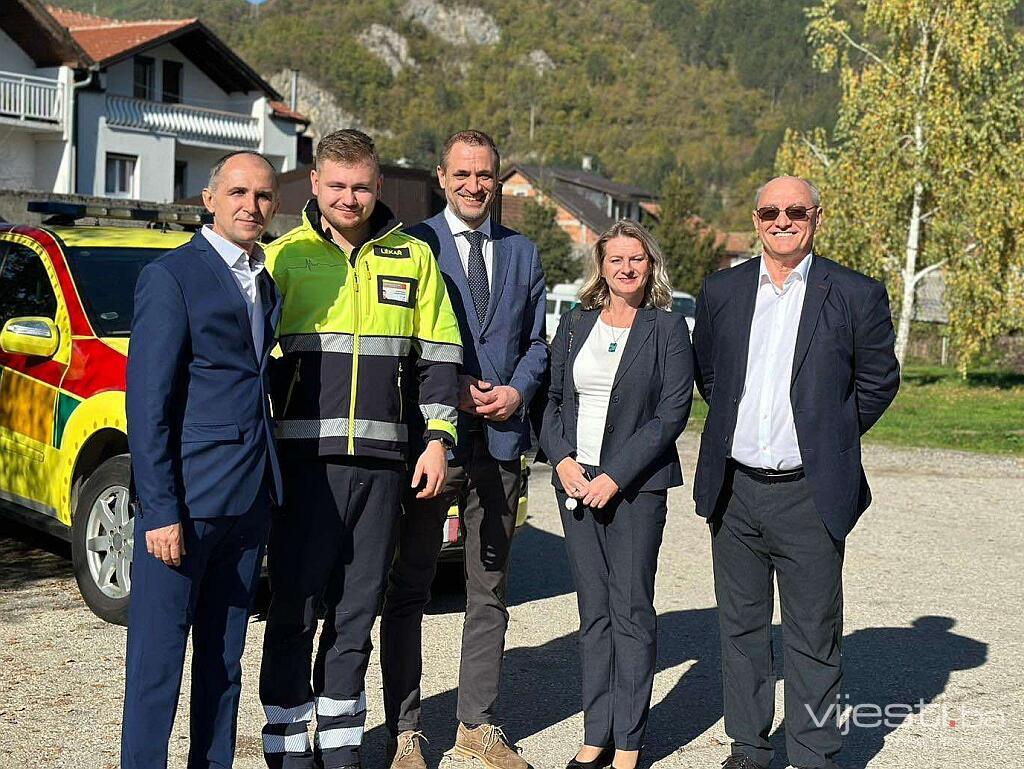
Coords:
594,374
458,227
245,269
765,435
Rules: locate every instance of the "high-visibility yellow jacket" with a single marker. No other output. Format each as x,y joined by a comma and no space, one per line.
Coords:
354,329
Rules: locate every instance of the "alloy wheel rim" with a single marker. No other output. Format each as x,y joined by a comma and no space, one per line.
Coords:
110,541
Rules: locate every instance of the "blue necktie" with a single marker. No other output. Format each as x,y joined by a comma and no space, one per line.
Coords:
479,287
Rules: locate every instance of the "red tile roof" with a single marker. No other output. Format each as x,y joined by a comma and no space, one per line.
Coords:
105,39
283,111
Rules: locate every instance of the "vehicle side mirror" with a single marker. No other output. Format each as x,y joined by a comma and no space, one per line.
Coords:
30,336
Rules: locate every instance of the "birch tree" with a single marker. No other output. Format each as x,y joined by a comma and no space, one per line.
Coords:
923,170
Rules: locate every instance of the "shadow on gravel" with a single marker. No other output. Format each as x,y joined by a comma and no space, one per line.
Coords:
28,555
899,671
541,687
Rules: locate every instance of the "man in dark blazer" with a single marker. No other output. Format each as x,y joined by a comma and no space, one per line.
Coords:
204,468
496,285
794,355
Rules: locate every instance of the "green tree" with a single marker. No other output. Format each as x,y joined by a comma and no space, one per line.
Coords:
688,245
923,169
553,244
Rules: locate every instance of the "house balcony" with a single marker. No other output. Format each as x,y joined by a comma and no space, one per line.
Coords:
195,126
35,103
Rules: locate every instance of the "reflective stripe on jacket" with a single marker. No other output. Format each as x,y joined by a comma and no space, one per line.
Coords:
354,329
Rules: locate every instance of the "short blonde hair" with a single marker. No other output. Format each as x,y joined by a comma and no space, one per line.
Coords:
657,292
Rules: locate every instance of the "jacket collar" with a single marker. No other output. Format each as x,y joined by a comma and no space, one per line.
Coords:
382,221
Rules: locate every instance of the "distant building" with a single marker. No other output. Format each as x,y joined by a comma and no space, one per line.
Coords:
586,204
134,109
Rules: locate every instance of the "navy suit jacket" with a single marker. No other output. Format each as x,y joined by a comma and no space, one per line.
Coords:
845,375
510,347
199,426
649,404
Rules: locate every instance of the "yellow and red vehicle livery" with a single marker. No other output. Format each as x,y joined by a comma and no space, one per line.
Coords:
62,416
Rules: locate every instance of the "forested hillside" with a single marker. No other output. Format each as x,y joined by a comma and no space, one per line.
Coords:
641,86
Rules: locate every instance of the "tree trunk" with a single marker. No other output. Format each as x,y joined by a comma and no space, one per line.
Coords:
910,276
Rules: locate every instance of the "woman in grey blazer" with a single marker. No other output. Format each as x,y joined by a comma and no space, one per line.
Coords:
621,387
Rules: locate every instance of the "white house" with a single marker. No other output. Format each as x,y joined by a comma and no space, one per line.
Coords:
144,111
39,61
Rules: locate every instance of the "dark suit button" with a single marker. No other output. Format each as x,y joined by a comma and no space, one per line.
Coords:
615,399
610,429
483,340
735,400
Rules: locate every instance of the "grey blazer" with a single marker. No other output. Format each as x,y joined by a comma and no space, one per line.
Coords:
649,405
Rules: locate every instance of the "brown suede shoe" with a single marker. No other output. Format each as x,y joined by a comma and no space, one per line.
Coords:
489,745
404,751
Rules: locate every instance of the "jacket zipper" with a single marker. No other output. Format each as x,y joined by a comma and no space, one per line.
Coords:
355,360
401,402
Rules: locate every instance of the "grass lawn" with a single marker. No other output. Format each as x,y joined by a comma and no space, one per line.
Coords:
935,408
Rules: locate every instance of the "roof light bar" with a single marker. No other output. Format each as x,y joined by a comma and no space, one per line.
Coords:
68,213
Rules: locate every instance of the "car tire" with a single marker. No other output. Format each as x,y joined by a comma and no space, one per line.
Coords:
102,540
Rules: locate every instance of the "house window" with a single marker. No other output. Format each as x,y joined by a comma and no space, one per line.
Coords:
143,86
121,175
172,82
180,179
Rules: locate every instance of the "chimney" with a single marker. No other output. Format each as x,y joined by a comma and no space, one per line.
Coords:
587,163
294,100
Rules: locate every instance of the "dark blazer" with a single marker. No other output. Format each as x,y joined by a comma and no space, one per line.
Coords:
845,375
649,404
510,347
199,426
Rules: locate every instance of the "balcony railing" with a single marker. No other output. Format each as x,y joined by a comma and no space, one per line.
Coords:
26,97
190,124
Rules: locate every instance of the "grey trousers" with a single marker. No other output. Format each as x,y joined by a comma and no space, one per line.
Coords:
488,491
762,530
613,555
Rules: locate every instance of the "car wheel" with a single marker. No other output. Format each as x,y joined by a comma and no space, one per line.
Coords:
102,540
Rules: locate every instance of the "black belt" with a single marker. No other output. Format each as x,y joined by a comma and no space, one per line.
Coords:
762,475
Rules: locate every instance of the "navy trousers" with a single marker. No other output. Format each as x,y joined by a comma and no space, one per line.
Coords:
613,555
330,549
764,532
211,594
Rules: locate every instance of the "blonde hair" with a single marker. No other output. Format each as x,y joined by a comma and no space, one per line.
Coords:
657,292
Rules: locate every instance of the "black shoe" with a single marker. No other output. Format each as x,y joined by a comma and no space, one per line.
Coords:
741,761
603,761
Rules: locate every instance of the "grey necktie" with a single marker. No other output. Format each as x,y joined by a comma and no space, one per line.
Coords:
476,271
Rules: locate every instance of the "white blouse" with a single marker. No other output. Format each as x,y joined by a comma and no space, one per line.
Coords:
594,373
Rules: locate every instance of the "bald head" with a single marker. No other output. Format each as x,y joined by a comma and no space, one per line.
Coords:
814,195
235,158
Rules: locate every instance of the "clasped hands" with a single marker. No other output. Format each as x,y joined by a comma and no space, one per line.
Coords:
594,493
483,399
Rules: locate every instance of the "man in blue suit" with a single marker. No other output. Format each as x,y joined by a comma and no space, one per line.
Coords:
496,285
794,355
203,465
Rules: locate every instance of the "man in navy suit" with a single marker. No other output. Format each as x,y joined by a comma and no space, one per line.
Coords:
496,285
794,355
203,465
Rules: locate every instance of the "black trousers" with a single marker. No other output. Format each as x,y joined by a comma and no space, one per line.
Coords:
488,492
210,593
762,530
329,551
613,555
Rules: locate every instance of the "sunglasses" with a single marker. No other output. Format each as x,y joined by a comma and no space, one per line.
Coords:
793,213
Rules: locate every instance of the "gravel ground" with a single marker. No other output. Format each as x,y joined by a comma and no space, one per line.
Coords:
933,618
